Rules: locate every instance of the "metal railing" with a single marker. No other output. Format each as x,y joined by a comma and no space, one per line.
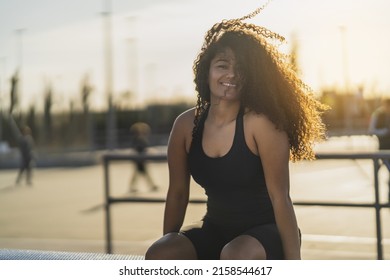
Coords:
377,205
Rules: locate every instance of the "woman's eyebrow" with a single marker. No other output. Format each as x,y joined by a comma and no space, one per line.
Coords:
221,60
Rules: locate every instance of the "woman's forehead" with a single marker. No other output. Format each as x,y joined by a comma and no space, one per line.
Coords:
225,54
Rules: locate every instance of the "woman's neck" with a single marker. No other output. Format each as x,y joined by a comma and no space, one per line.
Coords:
223,113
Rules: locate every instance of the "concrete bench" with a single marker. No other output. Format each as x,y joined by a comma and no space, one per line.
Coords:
13,254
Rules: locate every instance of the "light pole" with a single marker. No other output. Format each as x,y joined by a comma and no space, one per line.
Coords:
343,30
2,80
132,59
19,67
2,76
19,50
349,105
111,116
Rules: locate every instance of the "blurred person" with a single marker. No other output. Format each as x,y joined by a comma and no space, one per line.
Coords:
26,148
140,133
380,127
252,116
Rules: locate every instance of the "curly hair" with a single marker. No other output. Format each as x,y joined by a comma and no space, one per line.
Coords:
270,86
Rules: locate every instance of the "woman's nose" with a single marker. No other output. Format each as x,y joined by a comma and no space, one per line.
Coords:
231,74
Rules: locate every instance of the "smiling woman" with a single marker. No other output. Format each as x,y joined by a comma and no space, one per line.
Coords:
252,115
223,79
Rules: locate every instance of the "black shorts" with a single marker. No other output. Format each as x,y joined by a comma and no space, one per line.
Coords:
209,239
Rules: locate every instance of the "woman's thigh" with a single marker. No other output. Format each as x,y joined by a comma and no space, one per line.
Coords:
259,242
172,246
208,240
243,247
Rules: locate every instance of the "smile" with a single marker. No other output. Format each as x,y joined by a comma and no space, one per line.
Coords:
229,85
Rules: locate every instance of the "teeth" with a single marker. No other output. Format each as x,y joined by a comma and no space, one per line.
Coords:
228,84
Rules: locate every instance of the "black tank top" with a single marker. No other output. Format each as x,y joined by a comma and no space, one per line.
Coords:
234,183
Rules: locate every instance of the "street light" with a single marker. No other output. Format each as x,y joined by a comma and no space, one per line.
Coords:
343,30
111,116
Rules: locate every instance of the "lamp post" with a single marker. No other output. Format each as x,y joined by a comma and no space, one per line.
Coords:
2,76
17,79
132,60
111,116
19,35
343,30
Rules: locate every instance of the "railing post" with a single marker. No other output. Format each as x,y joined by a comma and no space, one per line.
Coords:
107,205
377,210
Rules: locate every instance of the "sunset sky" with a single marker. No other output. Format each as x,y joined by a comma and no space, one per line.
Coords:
155,42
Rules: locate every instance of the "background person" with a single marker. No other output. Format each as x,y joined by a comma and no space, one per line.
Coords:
26,145
380,126
140,136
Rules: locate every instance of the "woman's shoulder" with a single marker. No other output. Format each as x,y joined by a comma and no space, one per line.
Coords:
182,130
185,121
254,120
186,117
188,114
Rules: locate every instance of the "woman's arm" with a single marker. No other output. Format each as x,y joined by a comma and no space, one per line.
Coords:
273,148
179,176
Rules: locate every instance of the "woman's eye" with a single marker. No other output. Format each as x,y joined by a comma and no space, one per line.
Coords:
222,66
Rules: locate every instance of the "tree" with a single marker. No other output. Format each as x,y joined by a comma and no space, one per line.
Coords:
14,91
86,89
47,119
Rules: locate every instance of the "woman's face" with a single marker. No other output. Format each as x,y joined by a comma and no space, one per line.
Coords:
223,78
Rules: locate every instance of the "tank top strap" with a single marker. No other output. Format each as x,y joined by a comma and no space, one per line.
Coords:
197,137
239,134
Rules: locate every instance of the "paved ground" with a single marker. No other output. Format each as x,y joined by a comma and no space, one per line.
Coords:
63,209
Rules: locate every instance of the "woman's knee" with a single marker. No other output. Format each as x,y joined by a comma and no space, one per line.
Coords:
243,248
171,246
156,252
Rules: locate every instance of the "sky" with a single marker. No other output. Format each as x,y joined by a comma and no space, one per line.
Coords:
341,44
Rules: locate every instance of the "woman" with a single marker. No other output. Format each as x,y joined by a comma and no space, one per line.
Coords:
253,114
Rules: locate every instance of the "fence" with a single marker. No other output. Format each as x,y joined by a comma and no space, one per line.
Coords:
374,156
